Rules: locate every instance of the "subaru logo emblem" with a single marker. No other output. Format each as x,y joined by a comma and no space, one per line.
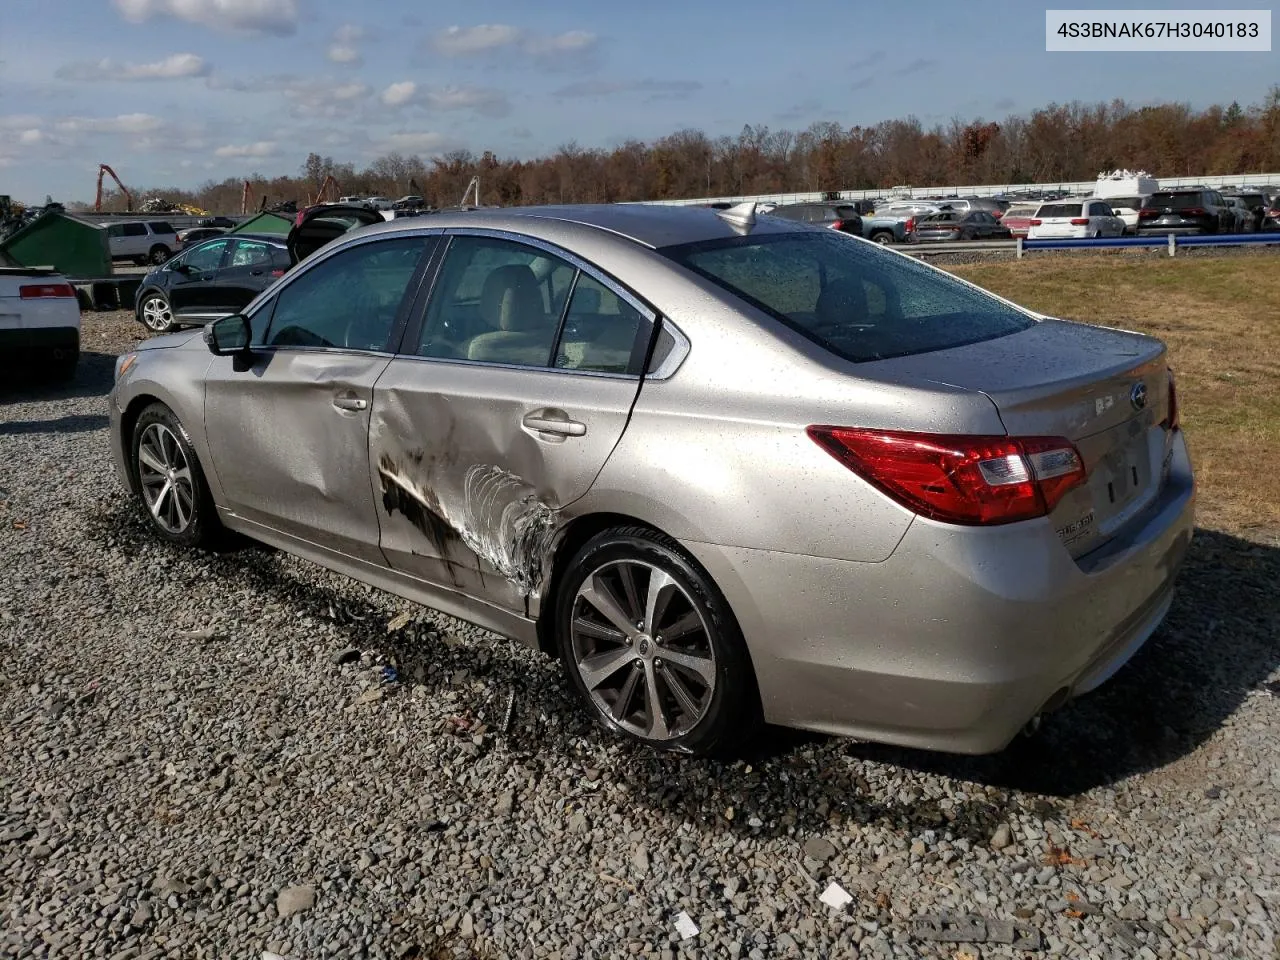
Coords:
1138,395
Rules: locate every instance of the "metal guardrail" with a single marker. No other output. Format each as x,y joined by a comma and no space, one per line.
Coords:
1020,246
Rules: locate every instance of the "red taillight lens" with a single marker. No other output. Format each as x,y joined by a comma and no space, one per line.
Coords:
998,214
977,481
45,291
837,224
1193,212
910,225
1079,221
1171,419
1035,223
1146,213
277,273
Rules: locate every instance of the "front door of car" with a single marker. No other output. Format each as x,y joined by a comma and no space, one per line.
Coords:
502,407
249,269
288,429
193,278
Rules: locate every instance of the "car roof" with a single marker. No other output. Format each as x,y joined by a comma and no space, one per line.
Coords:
651,225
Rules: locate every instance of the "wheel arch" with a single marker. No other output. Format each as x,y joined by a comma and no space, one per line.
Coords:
128,420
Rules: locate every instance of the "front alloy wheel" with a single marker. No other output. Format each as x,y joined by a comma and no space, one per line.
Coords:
157,316
165,477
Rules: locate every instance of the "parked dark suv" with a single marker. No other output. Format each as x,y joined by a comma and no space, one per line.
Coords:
838,216
1256,202
1185,212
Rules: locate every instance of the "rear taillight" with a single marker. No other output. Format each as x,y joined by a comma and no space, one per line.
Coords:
1171,419
837,224
910,225
1193,212
998,214
1146,213
976,481
277,273
45,291
1079,221
1035,223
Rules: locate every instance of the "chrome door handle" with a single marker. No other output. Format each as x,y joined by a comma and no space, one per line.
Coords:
350,403
555,422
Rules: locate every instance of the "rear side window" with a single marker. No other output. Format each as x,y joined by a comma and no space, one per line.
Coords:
133,230
600,329
853,299
159,226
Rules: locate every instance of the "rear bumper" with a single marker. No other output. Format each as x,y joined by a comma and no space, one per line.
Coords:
963,634
17,344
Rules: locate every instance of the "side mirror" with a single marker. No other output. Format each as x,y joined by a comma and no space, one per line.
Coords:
228,336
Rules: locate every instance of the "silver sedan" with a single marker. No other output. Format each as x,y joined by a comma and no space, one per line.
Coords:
727,467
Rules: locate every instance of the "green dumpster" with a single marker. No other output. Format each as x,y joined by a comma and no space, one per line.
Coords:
276,224
74,247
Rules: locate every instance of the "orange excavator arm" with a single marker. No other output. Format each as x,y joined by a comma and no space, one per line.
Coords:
128,197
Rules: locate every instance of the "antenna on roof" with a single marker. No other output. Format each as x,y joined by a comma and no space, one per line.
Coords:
742,215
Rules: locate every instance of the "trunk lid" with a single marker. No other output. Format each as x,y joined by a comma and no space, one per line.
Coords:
1107,391
316,226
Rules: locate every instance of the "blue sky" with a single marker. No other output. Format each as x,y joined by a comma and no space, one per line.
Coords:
175,92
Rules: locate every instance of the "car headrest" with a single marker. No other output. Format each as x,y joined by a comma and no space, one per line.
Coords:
510,299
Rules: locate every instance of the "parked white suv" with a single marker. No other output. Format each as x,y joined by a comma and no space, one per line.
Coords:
1075,220
39,319
143,241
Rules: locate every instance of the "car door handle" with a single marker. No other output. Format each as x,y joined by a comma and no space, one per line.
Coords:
555,422
257,273
346,401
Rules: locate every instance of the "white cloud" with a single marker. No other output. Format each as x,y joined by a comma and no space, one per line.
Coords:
263,148
124,123
463,41
479,99
344,49
574,41
488,37
415,142
32,135
399,93
19,121
278,17
170,68
311,97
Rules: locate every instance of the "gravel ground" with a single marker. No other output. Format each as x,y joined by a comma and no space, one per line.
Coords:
203,756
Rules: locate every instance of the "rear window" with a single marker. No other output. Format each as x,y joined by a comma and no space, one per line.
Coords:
853,299
1178,201
1253,199
1021,210
1059,210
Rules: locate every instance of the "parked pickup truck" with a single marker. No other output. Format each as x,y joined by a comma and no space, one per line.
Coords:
39,320
889,228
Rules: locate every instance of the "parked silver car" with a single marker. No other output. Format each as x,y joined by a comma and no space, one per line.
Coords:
724,467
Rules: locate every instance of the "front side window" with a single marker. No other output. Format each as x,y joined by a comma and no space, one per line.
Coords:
250,253
207,257
855,300
349,301
496,301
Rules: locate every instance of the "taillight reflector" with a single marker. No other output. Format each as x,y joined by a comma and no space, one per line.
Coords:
1079,221
1147,212
971,480
1193,212
45,291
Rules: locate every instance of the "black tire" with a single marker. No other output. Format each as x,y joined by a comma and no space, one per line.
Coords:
732,711
158,254
202,525
882,236
155,313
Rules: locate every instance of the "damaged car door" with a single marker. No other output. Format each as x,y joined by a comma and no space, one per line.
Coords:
288,424
505,401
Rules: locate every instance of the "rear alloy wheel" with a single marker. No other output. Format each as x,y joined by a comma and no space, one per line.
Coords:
159,254
170,480
651,646
156,314
882,237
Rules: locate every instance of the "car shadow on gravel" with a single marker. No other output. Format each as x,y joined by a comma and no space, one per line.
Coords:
70,424
94,377
1218,644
